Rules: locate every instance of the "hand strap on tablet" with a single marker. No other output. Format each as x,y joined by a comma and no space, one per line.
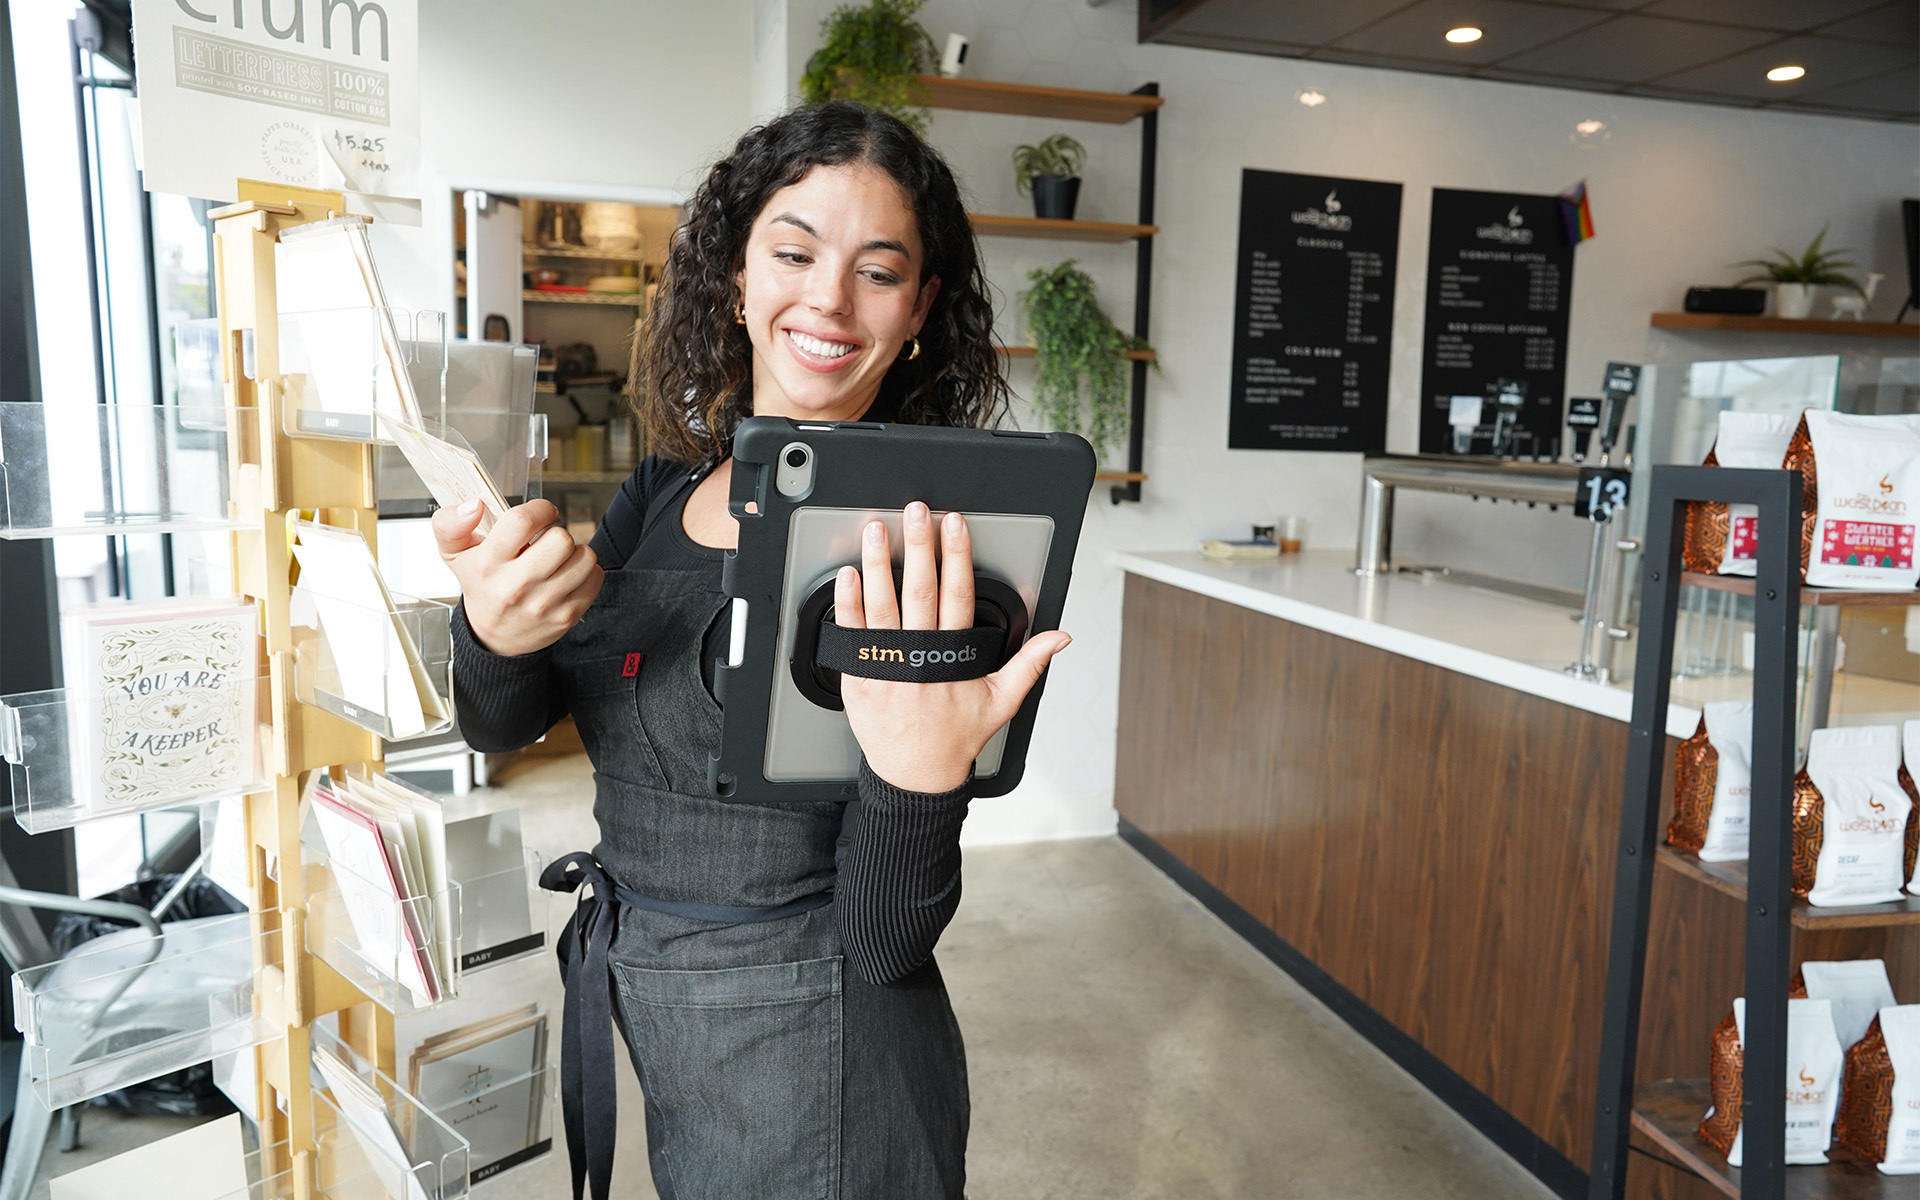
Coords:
912,655
823,651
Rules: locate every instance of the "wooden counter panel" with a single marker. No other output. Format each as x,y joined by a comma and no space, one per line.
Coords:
1440,845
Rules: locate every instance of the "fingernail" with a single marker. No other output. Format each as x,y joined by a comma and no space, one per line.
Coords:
876,532
916,514
847,576
470,508
954,522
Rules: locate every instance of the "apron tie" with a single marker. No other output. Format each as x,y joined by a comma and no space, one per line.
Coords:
588,1095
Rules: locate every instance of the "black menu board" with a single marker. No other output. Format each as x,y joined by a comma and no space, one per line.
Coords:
1494,364
1313,312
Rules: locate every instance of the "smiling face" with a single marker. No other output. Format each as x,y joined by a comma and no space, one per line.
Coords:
831,284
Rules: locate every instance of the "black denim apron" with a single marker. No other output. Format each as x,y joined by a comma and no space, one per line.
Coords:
771,1070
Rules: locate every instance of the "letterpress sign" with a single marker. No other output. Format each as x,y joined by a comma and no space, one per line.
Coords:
318,94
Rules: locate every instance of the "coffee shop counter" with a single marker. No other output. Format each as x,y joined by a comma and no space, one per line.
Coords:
1393,789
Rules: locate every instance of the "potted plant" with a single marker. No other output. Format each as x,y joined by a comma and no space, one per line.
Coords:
1051,171
1078,352
1794,278
875,54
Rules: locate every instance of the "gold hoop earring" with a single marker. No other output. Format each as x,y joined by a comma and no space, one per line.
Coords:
914,353
740,313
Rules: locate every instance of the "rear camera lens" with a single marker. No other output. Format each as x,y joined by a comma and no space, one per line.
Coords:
796,458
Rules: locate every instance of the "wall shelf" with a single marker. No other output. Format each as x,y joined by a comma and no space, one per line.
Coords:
621,299
1112,232
1742,585
1029,352
1020,99
1120,477
534,250
1730,878
1733,323
1669,1112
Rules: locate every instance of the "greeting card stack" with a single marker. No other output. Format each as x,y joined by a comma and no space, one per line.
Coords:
386,849
487,1080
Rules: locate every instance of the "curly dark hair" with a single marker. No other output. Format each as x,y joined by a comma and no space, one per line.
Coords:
692,364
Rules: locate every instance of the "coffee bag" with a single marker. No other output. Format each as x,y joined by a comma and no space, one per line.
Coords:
1850,818
1868,502
1724,538
1814,1067
1910,763
1857,988
1713,784
1879,1117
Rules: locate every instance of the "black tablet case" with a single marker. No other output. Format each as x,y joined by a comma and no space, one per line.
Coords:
860,464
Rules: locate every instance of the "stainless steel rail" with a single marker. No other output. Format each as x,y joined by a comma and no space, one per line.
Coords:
1551,484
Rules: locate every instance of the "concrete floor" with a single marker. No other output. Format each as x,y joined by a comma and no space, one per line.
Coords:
1123,1045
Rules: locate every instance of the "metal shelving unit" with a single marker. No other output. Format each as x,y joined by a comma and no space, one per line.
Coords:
1666,1111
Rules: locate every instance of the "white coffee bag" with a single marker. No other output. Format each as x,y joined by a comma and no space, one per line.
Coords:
1751,440
1857,988
1730,733
1900,1027
1868,470
1815,1063
1862,857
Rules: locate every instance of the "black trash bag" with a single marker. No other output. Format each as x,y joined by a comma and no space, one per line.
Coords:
189,1092
202,898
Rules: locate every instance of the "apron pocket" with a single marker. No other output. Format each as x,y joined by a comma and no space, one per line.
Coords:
743,1066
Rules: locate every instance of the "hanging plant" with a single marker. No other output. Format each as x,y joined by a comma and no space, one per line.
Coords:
874,54
1081,378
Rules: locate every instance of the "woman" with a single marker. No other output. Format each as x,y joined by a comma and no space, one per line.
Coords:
772,966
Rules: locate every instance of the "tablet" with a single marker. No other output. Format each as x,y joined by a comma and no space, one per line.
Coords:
802,493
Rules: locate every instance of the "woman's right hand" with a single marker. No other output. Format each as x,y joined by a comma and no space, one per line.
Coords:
526,582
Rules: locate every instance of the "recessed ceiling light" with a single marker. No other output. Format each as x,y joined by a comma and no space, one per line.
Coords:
1464,34
1312,97
1783,74
1590,127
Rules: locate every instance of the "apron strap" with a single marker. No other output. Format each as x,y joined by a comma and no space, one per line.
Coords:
588,1094
588,1088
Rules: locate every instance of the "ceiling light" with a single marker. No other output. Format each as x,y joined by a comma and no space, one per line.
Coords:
1590,127
1464,34
1783,74
1312,97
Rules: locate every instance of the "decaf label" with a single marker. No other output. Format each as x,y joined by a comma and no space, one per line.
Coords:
1313,312
1493,362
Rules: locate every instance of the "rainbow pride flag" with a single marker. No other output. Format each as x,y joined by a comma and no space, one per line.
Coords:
1576,214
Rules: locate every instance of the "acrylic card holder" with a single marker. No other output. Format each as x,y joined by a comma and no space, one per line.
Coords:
386,670
403,951
343,370
366,1123
503,911
510,445
507,1121
802,492
73,757
135,1004
69,468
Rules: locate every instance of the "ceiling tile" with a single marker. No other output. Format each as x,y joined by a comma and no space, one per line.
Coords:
1895,92
1390,62
1633,48
1788,16
1290,24
1829,63
1897,24
1419,31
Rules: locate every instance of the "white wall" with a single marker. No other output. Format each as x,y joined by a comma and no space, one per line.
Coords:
624,99
1679,191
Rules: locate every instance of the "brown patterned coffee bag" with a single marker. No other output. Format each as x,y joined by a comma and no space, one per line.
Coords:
1879,1115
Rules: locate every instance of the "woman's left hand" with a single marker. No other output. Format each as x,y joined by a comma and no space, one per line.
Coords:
923,737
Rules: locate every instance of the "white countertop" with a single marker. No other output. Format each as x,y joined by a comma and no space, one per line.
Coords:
1521,644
